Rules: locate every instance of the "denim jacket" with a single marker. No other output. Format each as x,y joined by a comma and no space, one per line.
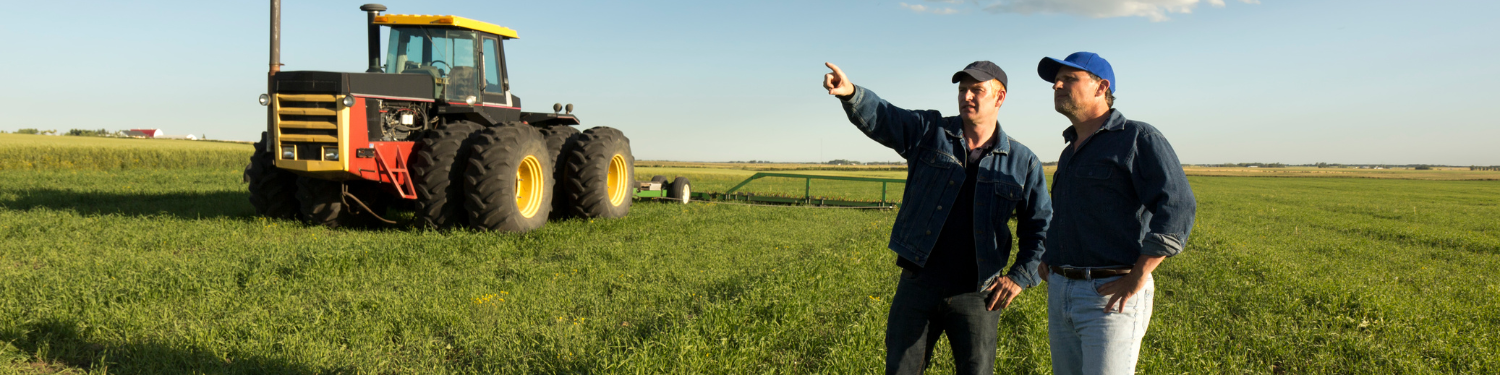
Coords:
1010,181
1123,194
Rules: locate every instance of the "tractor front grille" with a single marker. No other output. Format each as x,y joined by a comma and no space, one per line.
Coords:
308,122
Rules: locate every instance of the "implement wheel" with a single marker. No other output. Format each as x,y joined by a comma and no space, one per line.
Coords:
601,174
680,190
438,171
508,181
559,138
273,191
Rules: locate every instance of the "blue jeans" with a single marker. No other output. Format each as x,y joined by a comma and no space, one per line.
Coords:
1085,339
920,314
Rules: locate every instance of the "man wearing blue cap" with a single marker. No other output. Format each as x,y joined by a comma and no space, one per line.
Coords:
1123,205
965,180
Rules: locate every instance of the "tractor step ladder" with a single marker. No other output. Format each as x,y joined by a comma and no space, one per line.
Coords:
406,190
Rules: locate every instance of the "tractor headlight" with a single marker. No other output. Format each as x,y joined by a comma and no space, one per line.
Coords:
471,100
331,153
265,99
289,152
349,101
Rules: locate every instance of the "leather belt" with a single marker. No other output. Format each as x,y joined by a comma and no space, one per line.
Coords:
1088,273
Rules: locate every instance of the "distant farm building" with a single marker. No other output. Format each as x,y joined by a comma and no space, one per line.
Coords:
189,137
143,133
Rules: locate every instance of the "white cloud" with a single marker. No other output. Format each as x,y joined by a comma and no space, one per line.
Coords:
1156,10
919,8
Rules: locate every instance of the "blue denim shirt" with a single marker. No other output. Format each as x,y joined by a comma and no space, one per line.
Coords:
1121,195
1010,180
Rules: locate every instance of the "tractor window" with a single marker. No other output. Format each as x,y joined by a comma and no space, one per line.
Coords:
410,51
492,65
447,54
464,80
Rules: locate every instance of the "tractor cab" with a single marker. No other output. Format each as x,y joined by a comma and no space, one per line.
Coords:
464,57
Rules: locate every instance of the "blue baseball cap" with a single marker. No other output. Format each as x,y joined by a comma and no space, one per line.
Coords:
1086,61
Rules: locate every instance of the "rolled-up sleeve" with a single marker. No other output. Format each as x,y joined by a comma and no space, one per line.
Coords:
1163,189
1033,215
887,124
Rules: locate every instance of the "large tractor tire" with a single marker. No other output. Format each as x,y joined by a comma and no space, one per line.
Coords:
438,174
273,191
601,174
323,203
508,181
559,137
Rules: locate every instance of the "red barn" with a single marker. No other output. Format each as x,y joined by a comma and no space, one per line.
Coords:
143,133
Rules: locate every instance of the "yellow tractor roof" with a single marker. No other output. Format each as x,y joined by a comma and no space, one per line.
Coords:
440,20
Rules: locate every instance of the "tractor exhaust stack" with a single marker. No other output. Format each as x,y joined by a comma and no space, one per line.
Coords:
275,67
373,10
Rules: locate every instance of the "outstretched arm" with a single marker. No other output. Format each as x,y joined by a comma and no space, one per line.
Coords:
887,124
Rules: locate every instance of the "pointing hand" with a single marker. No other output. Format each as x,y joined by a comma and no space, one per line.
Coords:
837,83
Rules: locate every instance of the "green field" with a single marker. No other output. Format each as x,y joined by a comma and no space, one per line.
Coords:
153,270
32,152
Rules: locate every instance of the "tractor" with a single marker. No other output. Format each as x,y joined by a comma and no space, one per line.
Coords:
434,127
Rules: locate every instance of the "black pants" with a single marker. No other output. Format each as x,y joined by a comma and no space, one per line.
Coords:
921,313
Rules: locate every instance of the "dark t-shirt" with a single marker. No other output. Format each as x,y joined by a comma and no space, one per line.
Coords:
952,266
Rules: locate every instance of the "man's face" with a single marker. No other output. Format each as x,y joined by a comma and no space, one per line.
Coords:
1074,90
979,100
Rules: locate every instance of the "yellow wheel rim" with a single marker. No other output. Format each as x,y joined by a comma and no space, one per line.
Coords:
618,180
529,186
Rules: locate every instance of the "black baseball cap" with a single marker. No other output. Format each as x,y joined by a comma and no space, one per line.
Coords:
982,71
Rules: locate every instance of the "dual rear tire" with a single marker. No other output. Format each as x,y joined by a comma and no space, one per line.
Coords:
508,181
600,174
516,177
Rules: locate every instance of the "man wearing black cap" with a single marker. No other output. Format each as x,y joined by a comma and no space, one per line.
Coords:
965,180
1123,205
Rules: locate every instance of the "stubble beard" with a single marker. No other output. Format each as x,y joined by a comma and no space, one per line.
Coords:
1069,107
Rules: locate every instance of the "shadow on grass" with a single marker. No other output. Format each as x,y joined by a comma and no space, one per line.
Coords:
182,205
185,205
59,342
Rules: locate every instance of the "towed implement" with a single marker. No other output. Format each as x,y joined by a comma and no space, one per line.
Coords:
807,199
680,190
433,126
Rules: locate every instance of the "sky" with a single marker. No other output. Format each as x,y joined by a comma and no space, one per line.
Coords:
1337,81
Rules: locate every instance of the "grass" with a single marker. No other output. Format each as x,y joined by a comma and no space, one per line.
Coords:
1440,173
1334,276
102,276
161,271
35,152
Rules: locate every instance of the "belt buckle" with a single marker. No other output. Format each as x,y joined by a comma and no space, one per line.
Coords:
1088,273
